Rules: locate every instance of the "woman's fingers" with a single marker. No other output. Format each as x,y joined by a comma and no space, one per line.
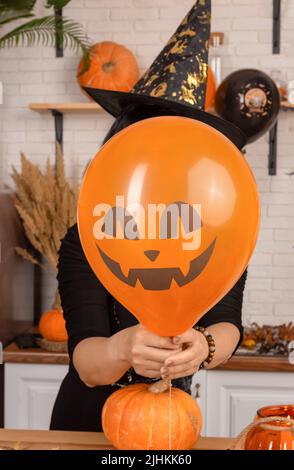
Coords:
180,369
146,353
161,342
182,357
187,337
148,369
143,336
152,374
146,364
179,375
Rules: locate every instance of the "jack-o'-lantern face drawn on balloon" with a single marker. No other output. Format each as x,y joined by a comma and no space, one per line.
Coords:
168,268
151,275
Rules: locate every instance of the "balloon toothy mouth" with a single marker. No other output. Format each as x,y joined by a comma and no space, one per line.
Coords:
159,278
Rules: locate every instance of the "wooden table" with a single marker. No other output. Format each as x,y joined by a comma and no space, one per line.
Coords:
68,440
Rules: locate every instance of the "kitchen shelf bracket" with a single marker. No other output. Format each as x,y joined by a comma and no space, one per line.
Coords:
58,124
272,157
276,26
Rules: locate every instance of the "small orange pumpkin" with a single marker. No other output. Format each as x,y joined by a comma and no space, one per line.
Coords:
137,418
52,326
112,67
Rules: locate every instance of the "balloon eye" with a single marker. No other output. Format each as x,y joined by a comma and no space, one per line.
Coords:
118,222
190,219
130,228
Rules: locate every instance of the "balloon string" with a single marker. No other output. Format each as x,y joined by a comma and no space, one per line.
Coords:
170,411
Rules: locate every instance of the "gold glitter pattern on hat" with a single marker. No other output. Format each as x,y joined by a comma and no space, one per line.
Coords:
179,73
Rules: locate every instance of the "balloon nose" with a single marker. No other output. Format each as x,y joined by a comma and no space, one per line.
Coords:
151,254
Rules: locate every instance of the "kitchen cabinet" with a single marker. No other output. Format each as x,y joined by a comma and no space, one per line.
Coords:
233,397
199,390
228,398
31,389
29,394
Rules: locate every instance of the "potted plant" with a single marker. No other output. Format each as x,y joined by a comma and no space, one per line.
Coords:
49,30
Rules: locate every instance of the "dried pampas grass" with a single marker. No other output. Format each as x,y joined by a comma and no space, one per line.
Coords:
46,204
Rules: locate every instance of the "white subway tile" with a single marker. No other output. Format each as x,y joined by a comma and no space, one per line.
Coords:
134,13
284,284
284,260
285,310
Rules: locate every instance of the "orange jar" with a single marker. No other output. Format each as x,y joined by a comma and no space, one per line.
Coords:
273,429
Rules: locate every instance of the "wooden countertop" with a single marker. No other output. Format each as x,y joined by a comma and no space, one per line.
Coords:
250,363
68,440
258,363
12,353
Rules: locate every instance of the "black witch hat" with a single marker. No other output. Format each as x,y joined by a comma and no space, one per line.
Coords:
176,80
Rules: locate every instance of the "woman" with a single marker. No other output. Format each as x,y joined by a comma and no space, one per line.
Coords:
107,346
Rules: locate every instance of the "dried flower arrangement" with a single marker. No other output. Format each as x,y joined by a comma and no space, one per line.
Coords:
268,339
46,203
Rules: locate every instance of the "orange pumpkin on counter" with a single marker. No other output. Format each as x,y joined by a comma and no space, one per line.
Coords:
52,326
112,67
139,417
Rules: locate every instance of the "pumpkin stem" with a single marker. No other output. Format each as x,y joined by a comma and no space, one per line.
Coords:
57,302
108,66
160,386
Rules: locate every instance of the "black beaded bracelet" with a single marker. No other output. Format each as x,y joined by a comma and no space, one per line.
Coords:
211,346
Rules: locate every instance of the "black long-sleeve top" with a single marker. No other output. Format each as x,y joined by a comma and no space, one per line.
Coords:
89,311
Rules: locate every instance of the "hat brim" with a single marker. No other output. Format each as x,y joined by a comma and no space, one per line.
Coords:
114,102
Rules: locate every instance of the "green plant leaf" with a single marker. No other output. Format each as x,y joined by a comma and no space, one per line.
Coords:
17,4
9,15
57,3
44,30
15,10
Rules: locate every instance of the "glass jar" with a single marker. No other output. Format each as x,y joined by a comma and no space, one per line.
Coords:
281,84
273,429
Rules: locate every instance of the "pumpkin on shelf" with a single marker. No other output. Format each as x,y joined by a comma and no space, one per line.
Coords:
210,90
112,67
52,326
151,417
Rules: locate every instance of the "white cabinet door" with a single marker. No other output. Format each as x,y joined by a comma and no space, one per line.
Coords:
234,396
199,390
29,394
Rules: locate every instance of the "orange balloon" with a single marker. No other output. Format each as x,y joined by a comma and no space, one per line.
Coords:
210,90
167,267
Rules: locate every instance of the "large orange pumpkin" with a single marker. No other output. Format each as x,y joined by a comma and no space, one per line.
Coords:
112,67
136,418
52,326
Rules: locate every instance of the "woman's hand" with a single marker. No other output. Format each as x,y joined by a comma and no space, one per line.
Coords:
147,352
186,361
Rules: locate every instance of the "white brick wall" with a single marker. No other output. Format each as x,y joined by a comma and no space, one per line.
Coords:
35,75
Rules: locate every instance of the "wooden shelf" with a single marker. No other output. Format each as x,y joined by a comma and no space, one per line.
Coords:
88,107
287,105
65,107
59,109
